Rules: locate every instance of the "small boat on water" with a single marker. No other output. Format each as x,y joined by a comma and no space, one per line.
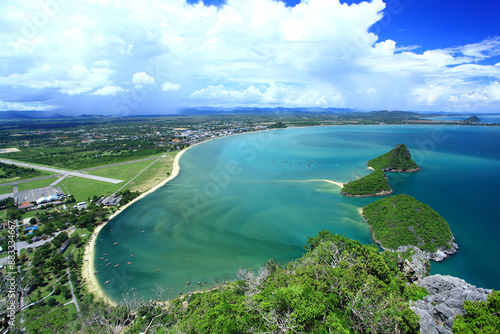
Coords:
106,260
157,269
131,255
106,282
96,272
129,262
111,230
116,265
102,258
108,264
100,265
115,243
143,231
105,254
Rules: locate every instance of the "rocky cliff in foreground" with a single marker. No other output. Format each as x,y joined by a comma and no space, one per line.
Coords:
447,295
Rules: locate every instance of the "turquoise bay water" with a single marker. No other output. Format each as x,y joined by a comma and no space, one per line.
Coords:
239,201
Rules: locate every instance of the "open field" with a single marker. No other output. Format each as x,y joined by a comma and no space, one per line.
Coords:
154,174
35,184
5,190
82,189
122,172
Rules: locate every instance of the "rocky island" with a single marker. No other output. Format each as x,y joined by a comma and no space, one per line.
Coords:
397,160
374,184
401,222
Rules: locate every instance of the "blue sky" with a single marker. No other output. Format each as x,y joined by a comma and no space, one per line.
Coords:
123,57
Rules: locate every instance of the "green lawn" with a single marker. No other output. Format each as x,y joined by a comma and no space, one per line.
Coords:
3,215
153,175
29,214
71,310
122,172
82,189
5,190
35,184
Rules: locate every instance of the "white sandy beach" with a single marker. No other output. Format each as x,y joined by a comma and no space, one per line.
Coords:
88,269
340,184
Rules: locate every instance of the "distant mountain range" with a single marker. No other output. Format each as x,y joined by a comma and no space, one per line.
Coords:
346,112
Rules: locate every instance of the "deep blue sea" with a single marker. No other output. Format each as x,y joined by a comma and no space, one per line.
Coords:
241,200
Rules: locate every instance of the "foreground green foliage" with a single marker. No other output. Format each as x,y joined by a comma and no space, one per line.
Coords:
338,286
369,185
481,317
402,220
10,171
398,160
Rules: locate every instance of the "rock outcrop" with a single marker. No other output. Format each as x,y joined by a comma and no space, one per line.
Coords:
447,295
438,256
417,266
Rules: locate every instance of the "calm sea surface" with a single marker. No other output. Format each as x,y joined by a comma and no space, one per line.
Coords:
239,201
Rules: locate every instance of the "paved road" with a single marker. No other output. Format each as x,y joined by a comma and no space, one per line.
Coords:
29,180
63,172
73,297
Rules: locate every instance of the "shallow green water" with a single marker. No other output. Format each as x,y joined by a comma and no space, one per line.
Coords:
237,203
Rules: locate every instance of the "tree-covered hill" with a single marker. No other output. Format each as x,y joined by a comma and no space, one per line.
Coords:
374,184
397,160
402,220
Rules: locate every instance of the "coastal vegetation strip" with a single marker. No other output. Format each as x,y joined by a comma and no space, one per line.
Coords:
374,184
397,160
402,220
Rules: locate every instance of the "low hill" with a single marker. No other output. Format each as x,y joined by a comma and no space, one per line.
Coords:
402,220
472,120
374,184
397,160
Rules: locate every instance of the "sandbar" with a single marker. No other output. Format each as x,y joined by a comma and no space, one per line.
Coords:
340,184
88,269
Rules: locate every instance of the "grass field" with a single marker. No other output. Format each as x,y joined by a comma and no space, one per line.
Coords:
5,190
153,175
82,189
122,172
35,184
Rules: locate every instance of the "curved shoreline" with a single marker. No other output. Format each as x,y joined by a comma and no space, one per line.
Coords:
88,269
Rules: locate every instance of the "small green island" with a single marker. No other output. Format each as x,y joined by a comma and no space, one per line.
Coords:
400,222
374,184
472,120
397,160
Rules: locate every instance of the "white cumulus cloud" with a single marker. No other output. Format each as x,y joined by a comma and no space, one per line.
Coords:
168,86
143,78
258,52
